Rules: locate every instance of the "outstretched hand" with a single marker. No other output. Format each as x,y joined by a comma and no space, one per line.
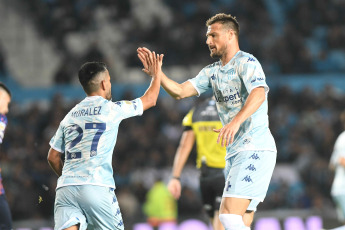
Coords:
152,62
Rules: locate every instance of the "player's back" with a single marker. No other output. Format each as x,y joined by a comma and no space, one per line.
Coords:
88,135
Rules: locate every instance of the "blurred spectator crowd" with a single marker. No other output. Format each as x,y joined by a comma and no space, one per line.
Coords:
288,36
304,124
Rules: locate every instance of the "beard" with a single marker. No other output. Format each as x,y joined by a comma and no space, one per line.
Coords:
215,55
219,53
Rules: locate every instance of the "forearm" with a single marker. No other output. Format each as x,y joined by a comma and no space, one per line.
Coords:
173,88
151,95
56,165
253,102
183,152
55,162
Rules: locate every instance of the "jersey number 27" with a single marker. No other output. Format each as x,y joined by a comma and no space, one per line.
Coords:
76,128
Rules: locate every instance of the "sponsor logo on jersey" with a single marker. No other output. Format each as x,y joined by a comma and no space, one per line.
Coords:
250,59
257,79
235,97
232,71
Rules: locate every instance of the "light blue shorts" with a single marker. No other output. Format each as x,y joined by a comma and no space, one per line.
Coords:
248,175
339,201
93,207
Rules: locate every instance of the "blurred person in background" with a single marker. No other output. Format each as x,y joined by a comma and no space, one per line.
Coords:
5,213
337,163
85,196
239,86
160,206
198,126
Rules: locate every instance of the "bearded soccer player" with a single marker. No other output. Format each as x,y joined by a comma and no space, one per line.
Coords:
5,214
239,86
85,197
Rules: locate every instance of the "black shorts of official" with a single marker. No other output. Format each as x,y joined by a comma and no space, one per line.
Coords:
5,214
211,185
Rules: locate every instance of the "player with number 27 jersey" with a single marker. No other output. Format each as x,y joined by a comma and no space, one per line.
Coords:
87,136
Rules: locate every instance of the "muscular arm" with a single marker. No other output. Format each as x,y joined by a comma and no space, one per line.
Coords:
254,101
182,154
176,90
55,162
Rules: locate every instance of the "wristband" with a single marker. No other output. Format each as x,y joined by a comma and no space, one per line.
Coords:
177,178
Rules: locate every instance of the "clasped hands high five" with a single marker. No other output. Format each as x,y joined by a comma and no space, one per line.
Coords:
152,62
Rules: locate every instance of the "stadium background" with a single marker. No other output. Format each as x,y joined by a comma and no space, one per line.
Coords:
300,44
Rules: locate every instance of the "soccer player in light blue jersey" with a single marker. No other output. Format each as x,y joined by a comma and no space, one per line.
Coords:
87,135
239,86
337,163
5,213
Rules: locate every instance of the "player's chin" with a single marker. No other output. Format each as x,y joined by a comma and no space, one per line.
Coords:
214,55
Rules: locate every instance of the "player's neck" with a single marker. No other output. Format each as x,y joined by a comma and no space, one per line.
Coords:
96,94
230,54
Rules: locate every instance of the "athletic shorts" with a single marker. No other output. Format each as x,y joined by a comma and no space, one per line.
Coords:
211,187
93,207
5,214
339,201
248,175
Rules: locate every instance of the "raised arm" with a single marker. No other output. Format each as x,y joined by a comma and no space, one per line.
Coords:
154,69
174,89
182,154
255,99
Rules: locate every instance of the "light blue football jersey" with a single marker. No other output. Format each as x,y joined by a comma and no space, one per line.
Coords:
87,135
231,85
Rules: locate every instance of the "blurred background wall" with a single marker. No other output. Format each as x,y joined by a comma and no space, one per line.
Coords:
300,44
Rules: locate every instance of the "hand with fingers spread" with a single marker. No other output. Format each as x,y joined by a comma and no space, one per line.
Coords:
152,62
227,133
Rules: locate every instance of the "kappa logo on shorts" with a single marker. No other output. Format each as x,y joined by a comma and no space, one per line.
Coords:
120,223
118,212
229,186
114,200
251,167
255,156
213,77
247,179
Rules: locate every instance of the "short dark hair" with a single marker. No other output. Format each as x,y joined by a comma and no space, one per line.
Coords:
88,72
225,19
4,87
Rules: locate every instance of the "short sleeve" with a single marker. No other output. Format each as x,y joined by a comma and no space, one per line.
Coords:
58,141
3,124
201,82
187,120
129,108
252,74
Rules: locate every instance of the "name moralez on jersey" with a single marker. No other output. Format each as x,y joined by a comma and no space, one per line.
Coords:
88,111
